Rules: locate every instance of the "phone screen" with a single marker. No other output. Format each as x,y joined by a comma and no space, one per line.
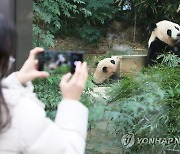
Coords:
58,62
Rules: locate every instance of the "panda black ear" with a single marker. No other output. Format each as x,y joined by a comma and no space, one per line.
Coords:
96,64
152,26
104,69
166,18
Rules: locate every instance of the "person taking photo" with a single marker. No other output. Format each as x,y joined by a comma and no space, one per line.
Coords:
24,127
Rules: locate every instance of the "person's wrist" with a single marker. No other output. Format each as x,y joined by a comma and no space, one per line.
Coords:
21,78
71,98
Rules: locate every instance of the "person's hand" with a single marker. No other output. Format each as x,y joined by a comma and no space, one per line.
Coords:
73,88
29,70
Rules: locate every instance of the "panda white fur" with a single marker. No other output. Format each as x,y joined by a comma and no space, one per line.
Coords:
164,38
106,68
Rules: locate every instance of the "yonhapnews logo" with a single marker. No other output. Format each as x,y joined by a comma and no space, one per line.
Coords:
128,140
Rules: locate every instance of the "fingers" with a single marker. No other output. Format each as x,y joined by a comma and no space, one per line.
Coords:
42,74
65,79
34,51
83,75
77,72
80,75
36,64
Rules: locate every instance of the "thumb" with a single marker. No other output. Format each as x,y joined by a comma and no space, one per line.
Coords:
65,79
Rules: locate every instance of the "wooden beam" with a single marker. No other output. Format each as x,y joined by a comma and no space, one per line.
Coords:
20,13
23,22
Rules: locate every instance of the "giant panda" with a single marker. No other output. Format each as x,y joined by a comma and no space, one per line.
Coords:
164,38
106,69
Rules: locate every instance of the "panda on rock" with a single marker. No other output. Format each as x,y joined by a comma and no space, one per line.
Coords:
165,36
106,69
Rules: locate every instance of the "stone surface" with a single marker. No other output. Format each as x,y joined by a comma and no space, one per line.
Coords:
101,141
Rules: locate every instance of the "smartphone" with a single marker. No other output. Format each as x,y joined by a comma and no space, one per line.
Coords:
58,62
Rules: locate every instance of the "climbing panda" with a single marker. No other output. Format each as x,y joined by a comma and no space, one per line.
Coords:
165,36
106,69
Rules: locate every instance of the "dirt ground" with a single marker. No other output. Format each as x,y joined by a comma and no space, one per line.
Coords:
105,48
104,45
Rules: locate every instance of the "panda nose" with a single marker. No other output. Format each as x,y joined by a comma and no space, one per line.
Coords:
178,35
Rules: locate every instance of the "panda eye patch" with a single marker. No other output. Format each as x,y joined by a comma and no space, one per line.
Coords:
112,61
176,27
104,69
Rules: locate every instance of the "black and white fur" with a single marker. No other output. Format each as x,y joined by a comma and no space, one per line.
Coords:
106,69
164,38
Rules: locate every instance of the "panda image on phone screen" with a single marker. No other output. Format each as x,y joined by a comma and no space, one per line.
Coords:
59,62
75,58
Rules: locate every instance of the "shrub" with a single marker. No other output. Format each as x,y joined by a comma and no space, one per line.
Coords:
147,11
169,59
50,15
90,34
148,105
48,91
53,17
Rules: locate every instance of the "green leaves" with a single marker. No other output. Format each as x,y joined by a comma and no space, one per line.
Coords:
144,12
49,39
169,59
50,15
90,34
47,90
42,38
